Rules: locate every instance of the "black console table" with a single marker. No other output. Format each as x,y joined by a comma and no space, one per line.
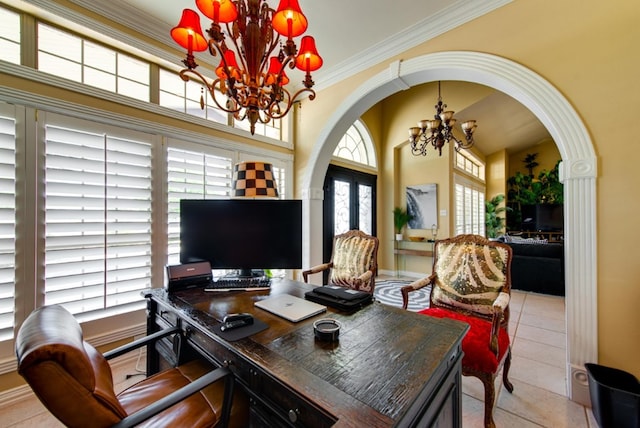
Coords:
390,367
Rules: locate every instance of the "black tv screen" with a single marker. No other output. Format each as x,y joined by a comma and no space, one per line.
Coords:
242,234
543,217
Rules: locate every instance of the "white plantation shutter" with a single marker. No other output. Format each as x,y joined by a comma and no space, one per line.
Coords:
279,174
98,221
469,207
7,224
193,175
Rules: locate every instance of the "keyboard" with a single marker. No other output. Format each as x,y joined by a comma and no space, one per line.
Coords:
239,284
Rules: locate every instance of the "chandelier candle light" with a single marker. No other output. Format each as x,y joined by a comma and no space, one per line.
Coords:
254,87
439,131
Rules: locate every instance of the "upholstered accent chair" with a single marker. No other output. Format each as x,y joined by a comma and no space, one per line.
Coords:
354,261
74,382
471,282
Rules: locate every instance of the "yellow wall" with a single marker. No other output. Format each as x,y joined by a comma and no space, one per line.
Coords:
548,156
496,167
588,51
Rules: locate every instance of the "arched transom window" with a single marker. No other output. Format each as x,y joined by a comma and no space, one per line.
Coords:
356,146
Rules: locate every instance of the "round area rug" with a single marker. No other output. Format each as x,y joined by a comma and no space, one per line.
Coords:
388,292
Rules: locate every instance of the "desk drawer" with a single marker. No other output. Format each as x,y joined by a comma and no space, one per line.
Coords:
167,317
220,353
288,405
272,400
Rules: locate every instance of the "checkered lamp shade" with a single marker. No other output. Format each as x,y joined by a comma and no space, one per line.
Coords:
254,180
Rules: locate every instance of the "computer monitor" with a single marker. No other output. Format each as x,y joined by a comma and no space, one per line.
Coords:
247,235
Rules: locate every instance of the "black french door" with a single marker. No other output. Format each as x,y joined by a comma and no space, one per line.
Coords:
349,203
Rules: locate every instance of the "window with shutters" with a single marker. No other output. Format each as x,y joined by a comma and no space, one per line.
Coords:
98,219
469,206
199,172
194,174
7,219
469,181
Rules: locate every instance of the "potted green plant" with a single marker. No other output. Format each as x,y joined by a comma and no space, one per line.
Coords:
524,190
400,219
495,224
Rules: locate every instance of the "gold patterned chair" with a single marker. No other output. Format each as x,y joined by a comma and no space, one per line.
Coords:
74,382
354,261
471,282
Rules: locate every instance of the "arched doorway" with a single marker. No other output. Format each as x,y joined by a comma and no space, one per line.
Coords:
578,171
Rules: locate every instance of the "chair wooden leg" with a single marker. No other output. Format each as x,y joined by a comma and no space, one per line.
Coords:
505,372
489,399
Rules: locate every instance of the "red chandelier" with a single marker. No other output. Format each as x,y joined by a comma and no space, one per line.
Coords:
255,87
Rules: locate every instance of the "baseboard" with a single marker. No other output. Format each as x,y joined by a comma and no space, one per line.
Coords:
402,273
579,385
14,395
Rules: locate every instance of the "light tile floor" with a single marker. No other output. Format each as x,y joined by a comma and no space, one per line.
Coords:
537,372
539,399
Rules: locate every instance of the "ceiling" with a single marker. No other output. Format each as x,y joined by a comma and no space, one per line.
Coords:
354,34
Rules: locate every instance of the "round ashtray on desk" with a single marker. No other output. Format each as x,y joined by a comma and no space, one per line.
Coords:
327,329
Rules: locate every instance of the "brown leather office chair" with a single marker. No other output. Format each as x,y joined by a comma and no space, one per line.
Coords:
471,282
73,380
354,261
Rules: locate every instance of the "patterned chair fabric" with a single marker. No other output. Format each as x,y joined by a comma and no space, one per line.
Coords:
469,276
471,282
353,261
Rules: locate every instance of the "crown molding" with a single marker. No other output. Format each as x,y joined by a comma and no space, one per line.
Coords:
457,14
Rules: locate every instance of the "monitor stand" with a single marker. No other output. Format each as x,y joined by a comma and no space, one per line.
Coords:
249,273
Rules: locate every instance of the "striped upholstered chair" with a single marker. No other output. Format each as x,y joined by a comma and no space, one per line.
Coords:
354,261
471,282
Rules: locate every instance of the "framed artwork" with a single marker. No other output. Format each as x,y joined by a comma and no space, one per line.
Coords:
422,205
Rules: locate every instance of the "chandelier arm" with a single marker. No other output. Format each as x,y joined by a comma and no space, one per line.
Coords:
294,99
280,96
185,75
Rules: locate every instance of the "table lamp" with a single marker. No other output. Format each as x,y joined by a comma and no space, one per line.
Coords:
254,180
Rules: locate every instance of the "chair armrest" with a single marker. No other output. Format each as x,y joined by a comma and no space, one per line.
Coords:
415,285
184,392
499,306
365,277
502,301
121,350
316,269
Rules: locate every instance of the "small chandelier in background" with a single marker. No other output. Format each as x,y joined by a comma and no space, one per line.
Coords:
439,131
255,86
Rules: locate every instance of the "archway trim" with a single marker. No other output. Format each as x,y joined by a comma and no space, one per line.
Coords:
579,173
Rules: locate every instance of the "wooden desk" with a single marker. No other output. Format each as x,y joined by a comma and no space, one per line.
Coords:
391,367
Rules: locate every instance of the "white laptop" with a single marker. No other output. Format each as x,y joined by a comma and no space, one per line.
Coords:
290,307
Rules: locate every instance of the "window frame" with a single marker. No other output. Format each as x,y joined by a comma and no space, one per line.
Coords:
363,143
119,77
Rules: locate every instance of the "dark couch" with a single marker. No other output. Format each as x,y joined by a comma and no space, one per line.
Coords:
538,268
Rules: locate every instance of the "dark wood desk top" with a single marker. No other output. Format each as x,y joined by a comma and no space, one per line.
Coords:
385,359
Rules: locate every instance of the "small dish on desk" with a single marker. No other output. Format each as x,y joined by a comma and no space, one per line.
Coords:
416,238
